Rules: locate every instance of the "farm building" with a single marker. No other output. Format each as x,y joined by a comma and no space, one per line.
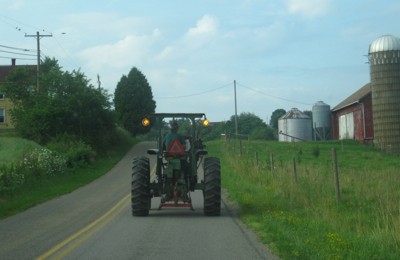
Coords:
352,118
373,112
321,121
5,104
295,126
384,60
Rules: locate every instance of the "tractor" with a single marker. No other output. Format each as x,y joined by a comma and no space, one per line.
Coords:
177,169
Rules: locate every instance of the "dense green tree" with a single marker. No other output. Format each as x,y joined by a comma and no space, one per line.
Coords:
249,125
213,131
133,100
275,117
308,113
64,104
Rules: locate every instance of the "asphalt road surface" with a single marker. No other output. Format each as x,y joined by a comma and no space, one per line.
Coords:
95,222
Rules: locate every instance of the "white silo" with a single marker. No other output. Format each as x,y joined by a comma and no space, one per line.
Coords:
321,120
295,126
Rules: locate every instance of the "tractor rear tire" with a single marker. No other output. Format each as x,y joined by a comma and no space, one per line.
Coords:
140,191
212,186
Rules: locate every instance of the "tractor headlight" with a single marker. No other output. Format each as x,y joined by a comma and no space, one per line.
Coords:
145,122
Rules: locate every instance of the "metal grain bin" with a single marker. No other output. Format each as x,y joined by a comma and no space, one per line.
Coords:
384,59
321,120
294,126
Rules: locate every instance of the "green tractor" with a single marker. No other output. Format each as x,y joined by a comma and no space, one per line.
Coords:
182,167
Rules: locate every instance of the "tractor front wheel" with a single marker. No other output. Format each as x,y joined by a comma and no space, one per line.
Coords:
212,186
140,191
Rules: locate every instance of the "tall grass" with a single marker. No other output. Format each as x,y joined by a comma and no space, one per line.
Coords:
300,218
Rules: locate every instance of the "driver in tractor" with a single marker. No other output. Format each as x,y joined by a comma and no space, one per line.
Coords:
175,147
174,142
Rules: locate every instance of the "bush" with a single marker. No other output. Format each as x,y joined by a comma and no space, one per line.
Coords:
76,153
43,162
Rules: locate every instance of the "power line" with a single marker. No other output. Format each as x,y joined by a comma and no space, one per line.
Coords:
17,25
4,57
196,94
5,18
25,54
269,95
16,48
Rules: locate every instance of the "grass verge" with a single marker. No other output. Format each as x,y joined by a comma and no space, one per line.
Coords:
36,191
299,217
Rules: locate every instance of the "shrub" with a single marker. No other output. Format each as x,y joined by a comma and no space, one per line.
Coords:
75,152
43,162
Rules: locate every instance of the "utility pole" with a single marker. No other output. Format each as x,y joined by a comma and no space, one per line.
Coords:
38,35
236,117
98,82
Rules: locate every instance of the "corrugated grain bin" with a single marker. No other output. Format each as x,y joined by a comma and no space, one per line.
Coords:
321,120
294,126
384,59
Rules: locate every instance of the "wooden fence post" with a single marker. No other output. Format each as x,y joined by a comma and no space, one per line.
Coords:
336,175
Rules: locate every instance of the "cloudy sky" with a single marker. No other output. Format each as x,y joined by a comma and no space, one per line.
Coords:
281,53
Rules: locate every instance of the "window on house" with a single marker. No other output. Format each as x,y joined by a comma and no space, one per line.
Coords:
2,114
1,95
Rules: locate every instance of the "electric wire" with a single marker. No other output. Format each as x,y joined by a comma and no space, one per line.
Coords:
240,85
12,52
273,96
5,57
16,48
196,94
15,24
18,22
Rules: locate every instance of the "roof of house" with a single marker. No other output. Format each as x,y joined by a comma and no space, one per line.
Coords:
4,71
355,97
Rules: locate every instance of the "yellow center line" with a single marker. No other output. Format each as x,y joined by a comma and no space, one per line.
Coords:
65,247
82,231
88,235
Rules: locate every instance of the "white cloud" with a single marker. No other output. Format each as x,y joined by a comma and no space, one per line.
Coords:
118,54
309,8
205,26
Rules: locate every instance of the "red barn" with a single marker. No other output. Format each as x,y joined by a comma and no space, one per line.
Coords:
352,118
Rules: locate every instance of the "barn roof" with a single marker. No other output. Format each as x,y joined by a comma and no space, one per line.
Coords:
355,97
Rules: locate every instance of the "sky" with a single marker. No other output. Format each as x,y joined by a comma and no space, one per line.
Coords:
280,54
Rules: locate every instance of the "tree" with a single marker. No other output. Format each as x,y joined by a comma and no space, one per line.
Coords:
65,104
251,125
133,100
275,117
308,113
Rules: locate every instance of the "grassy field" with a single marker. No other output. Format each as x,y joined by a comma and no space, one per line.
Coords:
35,191
13,148
300,217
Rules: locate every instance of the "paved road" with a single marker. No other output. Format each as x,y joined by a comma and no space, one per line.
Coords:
95,222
